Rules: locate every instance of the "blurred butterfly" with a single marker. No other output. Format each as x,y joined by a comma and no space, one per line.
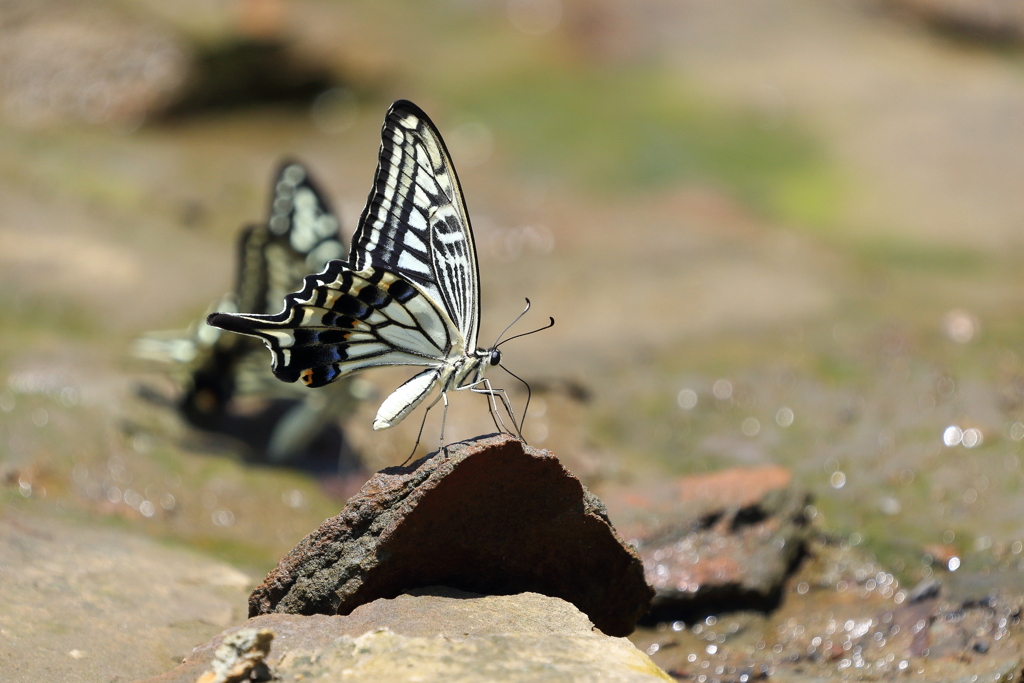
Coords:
300,237
409,293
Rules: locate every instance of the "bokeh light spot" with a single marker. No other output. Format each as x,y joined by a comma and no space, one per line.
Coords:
334,110
971,438
784,418
722,389
687,399
960,326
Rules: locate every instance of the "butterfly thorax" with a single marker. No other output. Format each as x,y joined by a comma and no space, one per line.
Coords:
466,369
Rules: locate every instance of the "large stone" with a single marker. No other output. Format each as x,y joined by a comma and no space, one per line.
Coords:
439,634
492,516
715,542
80,603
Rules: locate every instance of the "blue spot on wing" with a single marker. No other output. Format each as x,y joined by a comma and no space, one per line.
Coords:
325,374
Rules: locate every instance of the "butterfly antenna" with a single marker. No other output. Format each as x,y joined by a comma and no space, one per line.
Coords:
539,329
526,408
511,324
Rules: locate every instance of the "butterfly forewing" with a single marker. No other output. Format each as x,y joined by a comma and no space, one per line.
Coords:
299,212
415,221
300,236
303,234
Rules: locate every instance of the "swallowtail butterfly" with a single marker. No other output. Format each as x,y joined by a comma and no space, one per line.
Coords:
409,293
300,237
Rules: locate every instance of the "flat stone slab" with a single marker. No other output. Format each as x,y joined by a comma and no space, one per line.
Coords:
439,634
492,516
81,603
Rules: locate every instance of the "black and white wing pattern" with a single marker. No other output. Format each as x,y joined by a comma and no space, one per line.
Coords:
300,237
415,223
409,294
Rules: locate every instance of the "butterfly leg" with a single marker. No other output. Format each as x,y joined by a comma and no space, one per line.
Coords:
492,410
444,416
423,423
492,406
507,402
491,392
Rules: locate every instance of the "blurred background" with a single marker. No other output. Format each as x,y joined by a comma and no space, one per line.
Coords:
787,231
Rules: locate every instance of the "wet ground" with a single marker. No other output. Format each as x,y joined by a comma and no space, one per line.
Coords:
843,617
785,234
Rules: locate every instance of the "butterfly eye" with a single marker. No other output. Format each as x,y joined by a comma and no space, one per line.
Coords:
495,356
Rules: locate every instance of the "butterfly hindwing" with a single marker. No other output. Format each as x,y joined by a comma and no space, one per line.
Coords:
343,321
252,278
415,222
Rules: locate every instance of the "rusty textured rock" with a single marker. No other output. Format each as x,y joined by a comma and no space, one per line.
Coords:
715,542
491,516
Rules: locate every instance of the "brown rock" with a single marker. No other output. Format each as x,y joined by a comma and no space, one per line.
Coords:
493,516
844,617
715,542
86,62
639,511
986,20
